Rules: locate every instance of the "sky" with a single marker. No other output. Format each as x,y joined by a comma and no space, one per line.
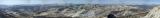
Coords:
15,2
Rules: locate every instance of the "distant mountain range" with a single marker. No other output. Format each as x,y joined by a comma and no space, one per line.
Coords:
30,10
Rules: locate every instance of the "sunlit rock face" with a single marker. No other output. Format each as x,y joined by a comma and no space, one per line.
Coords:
75,11
154,13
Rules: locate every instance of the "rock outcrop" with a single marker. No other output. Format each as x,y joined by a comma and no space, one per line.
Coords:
154,13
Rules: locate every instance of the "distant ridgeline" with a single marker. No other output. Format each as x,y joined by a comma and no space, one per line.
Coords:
75,11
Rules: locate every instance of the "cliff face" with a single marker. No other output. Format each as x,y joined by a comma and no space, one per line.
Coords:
154,13
75,11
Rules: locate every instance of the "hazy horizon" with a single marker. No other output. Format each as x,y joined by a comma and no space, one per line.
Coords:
13,2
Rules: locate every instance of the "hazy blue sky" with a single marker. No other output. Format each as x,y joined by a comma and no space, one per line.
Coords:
12,2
